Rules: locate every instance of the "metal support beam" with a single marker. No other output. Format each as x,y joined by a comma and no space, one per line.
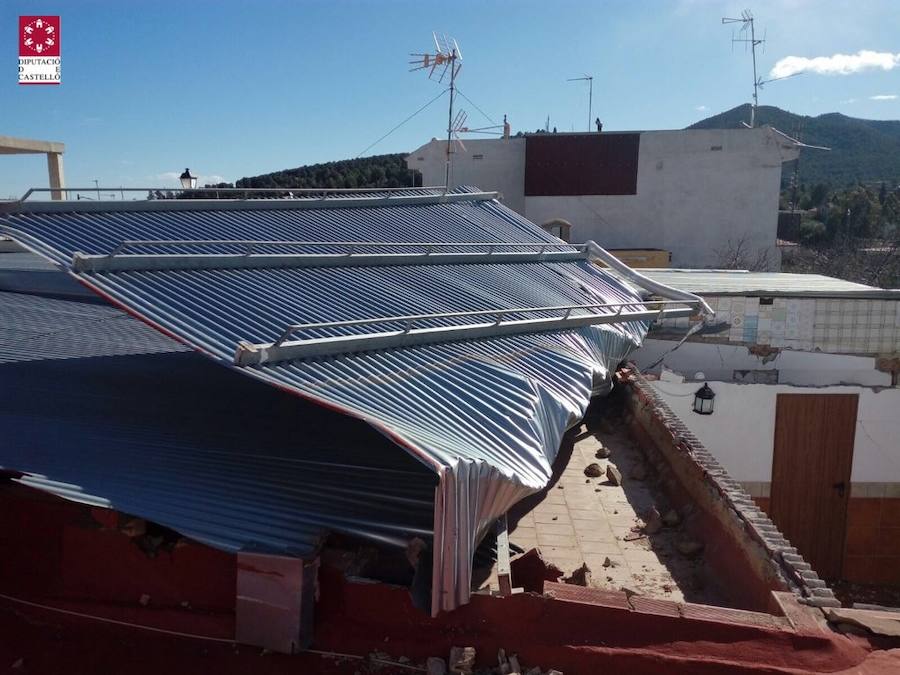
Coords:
431,255
598,253
55,174
286,350
504,569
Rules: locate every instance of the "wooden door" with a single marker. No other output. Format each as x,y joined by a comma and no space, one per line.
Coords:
811,475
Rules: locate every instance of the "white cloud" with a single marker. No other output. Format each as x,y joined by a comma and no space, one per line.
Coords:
701,108
837,64
847,101
884,97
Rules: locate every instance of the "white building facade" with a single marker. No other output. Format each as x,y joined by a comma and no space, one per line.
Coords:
699,194
805,372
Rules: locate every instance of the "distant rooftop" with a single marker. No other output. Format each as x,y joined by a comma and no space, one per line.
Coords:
742,282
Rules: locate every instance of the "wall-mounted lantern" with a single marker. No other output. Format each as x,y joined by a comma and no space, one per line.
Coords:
188,182
703,400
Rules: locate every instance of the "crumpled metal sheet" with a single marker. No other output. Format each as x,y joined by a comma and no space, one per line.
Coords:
486,415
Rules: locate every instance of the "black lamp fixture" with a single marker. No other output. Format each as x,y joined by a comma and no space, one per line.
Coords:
703,400
188,182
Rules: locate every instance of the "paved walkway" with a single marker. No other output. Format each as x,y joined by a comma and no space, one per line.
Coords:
589,520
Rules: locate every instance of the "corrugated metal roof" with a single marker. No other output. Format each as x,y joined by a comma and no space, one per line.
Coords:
35,328
24,272
742,282
487,415
230,462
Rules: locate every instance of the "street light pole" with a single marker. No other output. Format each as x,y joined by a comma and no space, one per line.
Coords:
188,182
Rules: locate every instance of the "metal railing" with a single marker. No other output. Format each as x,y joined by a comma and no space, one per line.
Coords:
248,245
285,349
285,254
283,193
225,199
499,314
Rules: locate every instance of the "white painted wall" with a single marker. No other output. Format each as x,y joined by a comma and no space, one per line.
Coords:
691,200
502,168
741,431
719,361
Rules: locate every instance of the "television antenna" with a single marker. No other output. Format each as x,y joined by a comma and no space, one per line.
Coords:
445,60
458,126
748,26
590,81
747,22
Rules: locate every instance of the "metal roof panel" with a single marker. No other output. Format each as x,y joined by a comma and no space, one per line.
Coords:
486,415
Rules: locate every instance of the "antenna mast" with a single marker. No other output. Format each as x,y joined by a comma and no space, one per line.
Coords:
448,58
747,21
590,81
795,178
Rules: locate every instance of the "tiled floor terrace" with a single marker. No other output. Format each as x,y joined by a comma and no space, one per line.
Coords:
589,520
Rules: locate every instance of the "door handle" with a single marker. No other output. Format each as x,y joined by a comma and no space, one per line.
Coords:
840,487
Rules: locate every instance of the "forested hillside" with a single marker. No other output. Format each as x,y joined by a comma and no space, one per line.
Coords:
865,151
377,171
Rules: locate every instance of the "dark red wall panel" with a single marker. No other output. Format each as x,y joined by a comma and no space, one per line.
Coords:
581,164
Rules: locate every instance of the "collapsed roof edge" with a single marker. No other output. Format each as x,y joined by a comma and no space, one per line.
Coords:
472,491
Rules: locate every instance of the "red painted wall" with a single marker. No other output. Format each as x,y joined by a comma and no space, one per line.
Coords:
59,552
581,164
52,548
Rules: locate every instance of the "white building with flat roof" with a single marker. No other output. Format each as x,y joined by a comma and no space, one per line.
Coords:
708,196
804,370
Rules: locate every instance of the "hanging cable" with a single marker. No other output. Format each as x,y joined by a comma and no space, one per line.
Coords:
116,622
443,91
475,105
197,636
693,330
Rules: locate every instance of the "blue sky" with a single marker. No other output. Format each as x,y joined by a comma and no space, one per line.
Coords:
232,88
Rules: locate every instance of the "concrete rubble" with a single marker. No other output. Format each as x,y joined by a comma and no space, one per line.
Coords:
462,662
613,475
593,471
653,522
580,576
